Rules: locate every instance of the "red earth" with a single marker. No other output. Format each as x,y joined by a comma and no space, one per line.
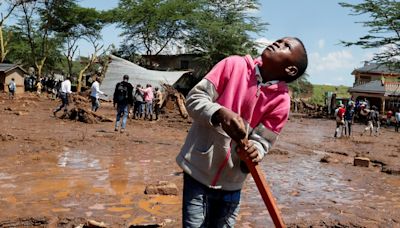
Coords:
62,173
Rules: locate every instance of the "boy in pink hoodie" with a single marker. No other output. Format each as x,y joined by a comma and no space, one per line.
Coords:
237,92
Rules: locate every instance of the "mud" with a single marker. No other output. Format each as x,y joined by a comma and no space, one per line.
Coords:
62,173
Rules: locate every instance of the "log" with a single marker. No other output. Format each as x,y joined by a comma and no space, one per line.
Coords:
180,100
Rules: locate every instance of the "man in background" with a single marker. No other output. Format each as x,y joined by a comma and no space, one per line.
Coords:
122,99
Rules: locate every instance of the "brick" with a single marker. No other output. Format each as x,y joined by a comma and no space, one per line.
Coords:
361,161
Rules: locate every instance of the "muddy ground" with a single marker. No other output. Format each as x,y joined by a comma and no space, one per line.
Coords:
62,173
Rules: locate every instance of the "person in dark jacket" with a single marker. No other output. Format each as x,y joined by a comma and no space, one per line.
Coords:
122,99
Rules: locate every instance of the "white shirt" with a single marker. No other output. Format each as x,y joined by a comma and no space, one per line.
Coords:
66,86
96,90
397,116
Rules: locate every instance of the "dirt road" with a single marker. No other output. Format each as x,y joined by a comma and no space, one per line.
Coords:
60,173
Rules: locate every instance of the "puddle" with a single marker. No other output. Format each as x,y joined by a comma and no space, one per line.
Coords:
77,159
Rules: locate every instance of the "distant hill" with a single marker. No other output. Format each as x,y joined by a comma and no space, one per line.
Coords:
318,96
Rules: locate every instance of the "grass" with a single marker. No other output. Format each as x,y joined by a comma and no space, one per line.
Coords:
319,91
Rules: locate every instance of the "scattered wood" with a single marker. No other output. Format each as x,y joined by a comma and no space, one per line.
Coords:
84,115
173,97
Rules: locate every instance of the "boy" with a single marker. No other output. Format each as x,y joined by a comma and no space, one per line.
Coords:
11,89
237,92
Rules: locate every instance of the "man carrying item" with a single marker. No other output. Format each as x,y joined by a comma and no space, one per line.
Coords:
95,94
122,99
64,94
239,91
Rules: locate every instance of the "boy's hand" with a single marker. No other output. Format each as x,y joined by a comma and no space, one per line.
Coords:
249,151
231,123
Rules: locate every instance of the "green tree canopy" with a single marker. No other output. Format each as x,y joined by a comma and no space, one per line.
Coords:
151,25
222,28
384,29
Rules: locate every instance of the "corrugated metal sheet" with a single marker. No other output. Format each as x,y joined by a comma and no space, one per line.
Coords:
137,75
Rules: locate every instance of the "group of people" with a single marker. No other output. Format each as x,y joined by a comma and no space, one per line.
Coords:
143,101
345,118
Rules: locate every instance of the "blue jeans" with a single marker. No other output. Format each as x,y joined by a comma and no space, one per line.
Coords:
149,109
121,109
206,207
64,100
95,103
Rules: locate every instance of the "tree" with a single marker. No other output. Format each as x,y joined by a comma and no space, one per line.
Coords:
12,4
34,24
222,28
151,25
384,30
74,23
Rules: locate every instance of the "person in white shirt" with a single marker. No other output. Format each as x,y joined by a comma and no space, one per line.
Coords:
95,94
397,116
65,90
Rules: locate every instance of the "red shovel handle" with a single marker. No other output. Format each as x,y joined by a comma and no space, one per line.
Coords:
264,190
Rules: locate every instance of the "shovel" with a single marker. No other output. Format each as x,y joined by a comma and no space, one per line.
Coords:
262,185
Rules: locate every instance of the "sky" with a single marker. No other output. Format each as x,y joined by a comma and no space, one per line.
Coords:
320,24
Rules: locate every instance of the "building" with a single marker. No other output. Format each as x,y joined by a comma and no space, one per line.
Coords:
9,71
379,84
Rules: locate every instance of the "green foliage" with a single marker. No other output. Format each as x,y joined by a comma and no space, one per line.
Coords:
319,91
384,27
301,87
151,25
221,28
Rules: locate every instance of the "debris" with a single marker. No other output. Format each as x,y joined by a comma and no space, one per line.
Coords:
95,224
162,188
325,159
361,161
172,97
84,115
7,137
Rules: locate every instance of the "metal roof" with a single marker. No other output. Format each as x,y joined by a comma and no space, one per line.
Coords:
375,86
137,75
5,67
376,68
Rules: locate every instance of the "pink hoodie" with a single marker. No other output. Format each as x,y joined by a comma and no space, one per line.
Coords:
237,90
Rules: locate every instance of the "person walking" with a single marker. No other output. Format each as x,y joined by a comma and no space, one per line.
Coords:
64,94
372,121
397,117
122,99
339,113
348,119
12,87
240,97
95,94
158,100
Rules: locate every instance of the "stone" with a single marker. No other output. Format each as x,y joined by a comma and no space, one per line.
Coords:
162,188
361,161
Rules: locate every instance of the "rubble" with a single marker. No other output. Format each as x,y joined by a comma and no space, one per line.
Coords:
162,188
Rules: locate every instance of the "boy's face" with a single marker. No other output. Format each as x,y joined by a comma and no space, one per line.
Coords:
280,55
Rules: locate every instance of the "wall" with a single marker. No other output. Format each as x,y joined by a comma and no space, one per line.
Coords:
17,74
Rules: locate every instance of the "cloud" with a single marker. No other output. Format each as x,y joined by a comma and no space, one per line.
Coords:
332,61
321,43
